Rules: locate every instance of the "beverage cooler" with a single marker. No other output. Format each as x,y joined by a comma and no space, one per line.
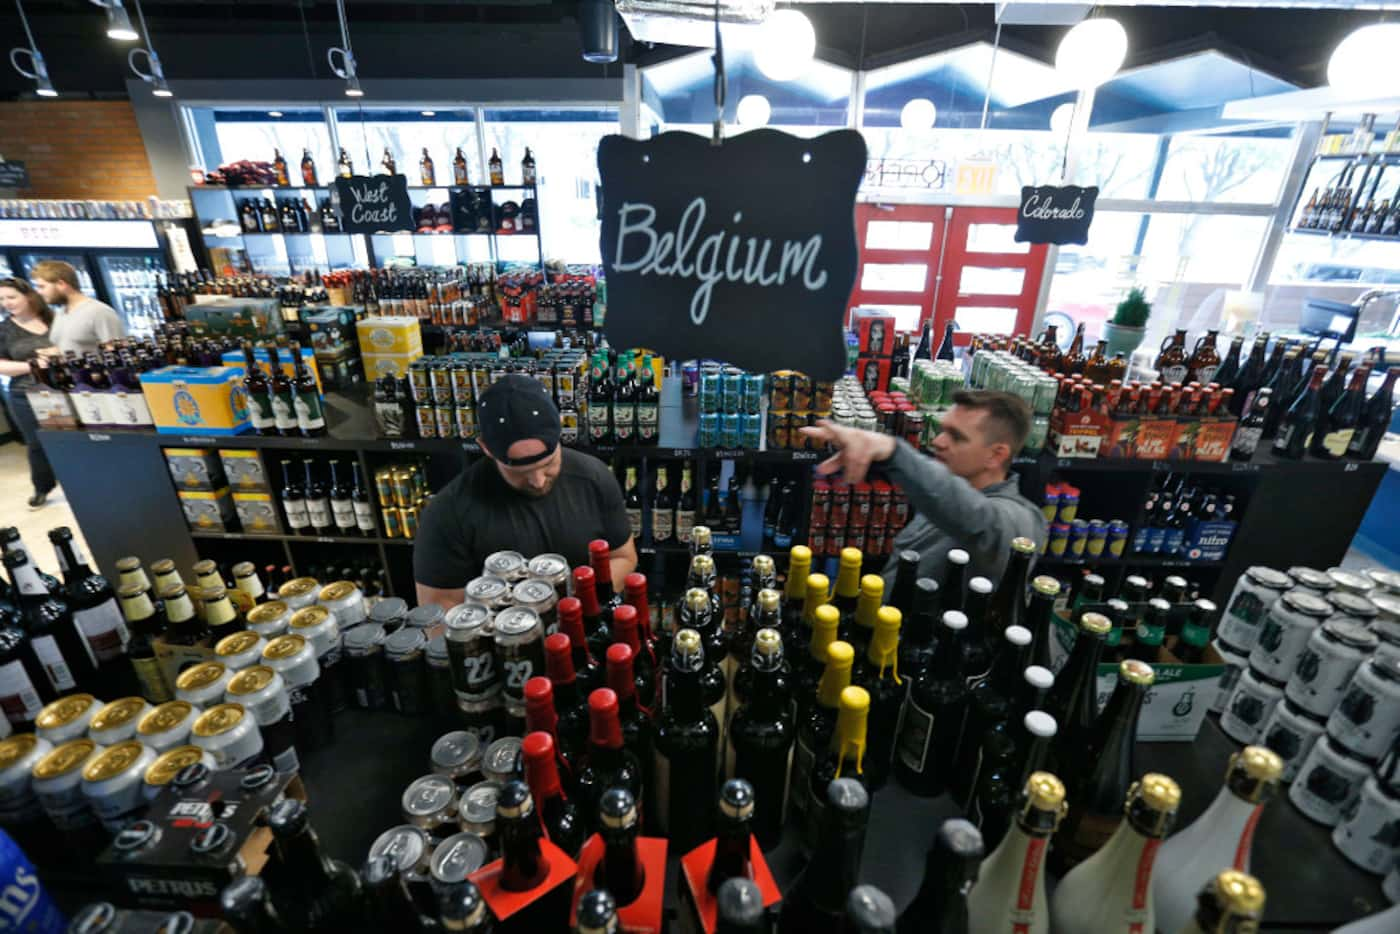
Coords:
120,262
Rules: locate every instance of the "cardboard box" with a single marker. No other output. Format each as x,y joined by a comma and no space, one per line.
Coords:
209,510
52,409
174,659
204,400
253,318
1078,434
195,468
874,332
380,364
1213,438
1156,437
381,335
873,373
257,513
243,469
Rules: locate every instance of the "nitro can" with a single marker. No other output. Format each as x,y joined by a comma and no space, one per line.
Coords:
384,485
509,566
18,756
393,525
240,650
1254,698
779,429
1361,835
407,677
317,626
1333,653
554,569
1291,732
1257,589
1367,719
491,592
1328,781
294,658
446,418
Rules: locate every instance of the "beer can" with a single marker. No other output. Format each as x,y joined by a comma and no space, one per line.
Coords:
393,525
408,846
491,592
751,431
1328,782
1117,537
317,626
476,811
384,485
440,382
270,619
538,595
1313,581
170,763
498,762
470,646
427,617
36,912
406,674
117,720
1251,702
461,373
840,509
519,640
1284,634
801,392
710,391
1367,718
294,658
419,380
708,435
509,566
240,650
66,718
1291,732
168,725
1364,835
446,415
230,734
730,429
822,394
263,693
401,481
112,782
299,592
345,601
732,391
464,421
18,756
454,860
780,390
835,540
456,756
427,421
554,569
57,783
408,521
1382,579
429,802
821,502
1333,653
1351,582
389,612
363,648
1351,607
1257,589
779,426
753,393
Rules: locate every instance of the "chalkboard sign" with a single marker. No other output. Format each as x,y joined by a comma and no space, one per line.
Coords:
369,204
744,252
1055,213
13,175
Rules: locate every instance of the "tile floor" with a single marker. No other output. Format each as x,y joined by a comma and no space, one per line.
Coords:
33,525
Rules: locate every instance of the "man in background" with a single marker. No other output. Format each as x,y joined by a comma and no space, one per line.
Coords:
80,323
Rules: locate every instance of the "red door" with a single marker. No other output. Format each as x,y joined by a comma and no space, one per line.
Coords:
899,251
989,282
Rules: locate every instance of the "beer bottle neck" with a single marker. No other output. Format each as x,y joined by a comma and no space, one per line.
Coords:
732,851
621,872
523,865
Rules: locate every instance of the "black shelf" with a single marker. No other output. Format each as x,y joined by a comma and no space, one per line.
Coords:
315,539
250,188
1137,561
1345,235
1260,463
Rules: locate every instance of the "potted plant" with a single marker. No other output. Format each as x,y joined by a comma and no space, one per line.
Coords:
1129,325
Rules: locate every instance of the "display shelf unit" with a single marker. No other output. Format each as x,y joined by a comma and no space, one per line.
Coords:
1372,167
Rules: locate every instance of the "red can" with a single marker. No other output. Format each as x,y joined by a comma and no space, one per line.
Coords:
887,415
875,540
840,508
889,541
859,516
899,511
913,428
835,540
821,502
816,540
880,498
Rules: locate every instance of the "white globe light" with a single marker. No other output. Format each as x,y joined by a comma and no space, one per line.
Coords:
787,45
753,111
918,114
1059,120
1091,52
1365,65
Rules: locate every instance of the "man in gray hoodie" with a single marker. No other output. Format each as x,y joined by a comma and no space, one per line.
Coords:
964,496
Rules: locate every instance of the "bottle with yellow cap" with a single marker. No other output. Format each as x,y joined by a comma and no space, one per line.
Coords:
847,593
816,725
1233,903
1008,606
761,734
862,629
1111,891
818,593
934,711
807,673
1009,895
795,591
844,757
1222,836
220,614
183,625
1101,769
878,673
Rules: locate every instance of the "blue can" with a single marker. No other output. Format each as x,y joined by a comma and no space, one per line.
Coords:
710,390
708,436
28,906
751,434
753,393
733,401
690,378
730,429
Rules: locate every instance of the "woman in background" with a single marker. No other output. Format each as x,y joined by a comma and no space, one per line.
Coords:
23,332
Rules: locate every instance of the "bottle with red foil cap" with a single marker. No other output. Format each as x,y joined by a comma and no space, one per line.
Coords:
594,626
608,763
599,558
636,722
572,730
540,717
587,668
562,821
625,632
635,594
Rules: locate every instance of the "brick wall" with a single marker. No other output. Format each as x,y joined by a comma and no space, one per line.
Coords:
84,150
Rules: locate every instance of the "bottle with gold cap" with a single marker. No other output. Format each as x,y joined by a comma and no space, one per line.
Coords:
163,574
795,591
1111,891
685,747
1009,895
1040,617
844,757
761,734
1074,698
697,614
144,621
878,673
934,711
183,625
766,614
817,724
846,596
807,673
1008,605
131,571
1233,903
862,630
246,579
1222,836
1101,767
206,574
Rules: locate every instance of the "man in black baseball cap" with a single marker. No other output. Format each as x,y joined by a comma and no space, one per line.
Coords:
530,494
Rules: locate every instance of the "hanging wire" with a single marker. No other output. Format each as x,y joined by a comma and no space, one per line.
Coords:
721,84
991,73
306,37
25,20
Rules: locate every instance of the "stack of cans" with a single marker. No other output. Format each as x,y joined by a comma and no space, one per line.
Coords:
796,401
445,388
1072,536
731,408
999,369
867,516
402,490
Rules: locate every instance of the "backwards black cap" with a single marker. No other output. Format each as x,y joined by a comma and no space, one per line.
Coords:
517,408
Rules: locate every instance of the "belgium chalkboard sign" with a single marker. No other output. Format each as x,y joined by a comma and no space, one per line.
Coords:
369,204
13,175
1055,214
744,252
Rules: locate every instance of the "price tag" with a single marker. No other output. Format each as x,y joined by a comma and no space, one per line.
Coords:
806,455
195,439
1351,468
94,437
682,452
402,445
325,539
1244,468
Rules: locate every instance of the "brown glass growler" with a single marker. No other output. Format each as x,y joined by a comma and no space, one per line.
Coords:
1171,362
1205,359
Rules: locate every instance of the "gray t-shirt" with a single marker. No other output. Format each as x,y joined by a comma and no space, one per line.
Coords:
19,344
80,328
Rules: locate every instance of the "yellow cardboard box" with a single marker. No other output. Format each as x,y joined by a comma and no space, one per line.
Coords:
379,364
381,335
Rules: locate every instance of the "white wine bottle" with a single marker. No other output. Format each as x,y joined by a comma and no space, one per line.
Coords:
1222,836
1111,891
1231,903
1010,893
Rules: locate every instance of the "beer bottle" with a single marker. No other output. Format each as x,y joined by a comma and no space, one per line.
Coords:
561,818
847,594
496,169
426,174
183,625
459,168
815,901
1102,764
52,636
527,169
950,869
97,616
1332,388
206,575
637,724
1073,701
869,911
843,758
902,591
1040,618
318,501
808,674
464,911
22,679
609,764
1112,890
989,704
596,914
686,746
663,510
760,737
1151,631
766,613
795,593
342,507
311,420
977,641
927,745
641,673
573,725
1222,836
1090,593
317,893
1233,901
595,630
541,717
1008,604
308,170
1334,433
878,673
389,905
1284,386
570,613
1247,377
685,509
143,622
1195,632
732,836
1296,428
739,908
1010,891
246,903
259,391
918,638
697,613
387,164
284,410
1008,758
620,871
1120,616
817,722
1251,428
1374,420
245,578
872,592
220,615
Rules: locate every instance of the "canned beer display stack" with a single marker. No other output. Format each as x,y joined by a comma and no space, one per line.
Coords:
866,516
731,407
402,492
1068,535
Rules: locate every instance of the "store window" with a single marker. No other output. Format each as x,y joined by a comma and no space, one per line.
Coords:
564,143
1233,169
227,135
367,132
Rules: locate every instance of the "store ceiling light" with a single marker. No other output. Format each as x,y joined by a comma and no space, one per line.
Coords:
786,45
118,22
1364,64
1060,119
154,75
428,113
37,72
753,111
918,114
345,68
1091,52
274,113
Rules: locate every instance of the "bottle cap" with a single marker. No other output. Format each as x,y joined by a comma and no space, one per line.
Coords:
851,717
818,587
1023,545
869,909
514,800
1039,678
1040,724
617,809
840,655
800,554
570,610
740,903
1046,585
767,652
624,626
955,620
1018,636
635,583
1045,792
769,600
963,840
827,617
604,728
955,556
848,797
1096,623
597,913
620,676
586,590
1136,672
599,547
559,659
979,585
540,769
1254,773
1237,893
1161,796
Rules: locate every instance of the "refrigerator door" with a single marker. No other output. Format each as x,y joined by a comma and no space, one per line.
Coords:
6,270
77,260
130,281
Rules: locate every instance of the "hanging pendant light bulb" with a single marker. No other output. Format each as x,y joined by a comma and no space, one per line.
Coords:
918,114
38,72
155,75
118,22
1091,52
1060,119
753,111
786,45
346,66
1364,64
